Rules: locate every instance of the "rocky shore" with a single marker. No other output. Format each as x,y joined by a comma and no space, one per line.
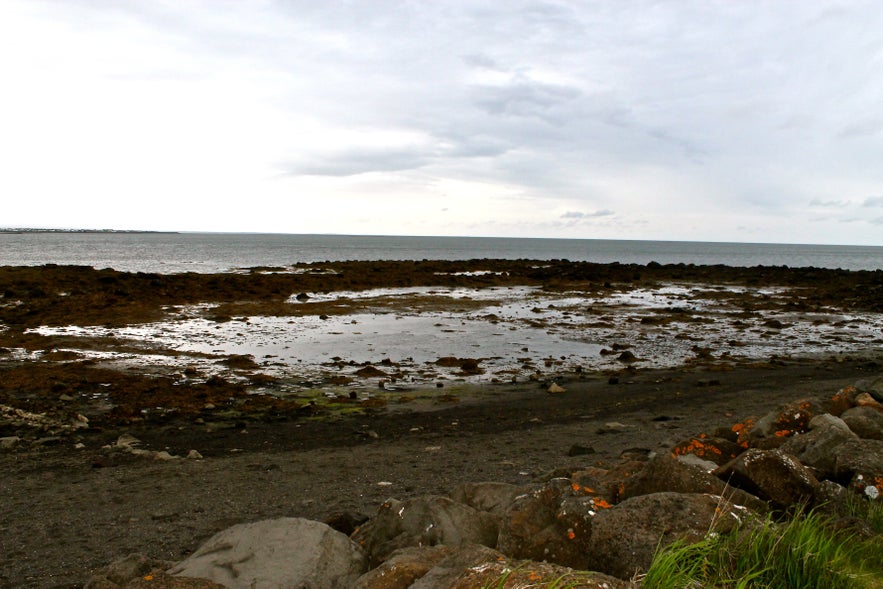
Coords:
103,459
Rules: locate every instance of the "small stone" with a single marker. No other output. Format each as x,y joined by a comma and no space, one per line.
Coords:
555,388
194,455
579,450
9,442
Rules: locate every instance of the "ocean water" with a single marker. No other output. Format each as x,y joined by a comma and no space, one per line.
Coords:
221,252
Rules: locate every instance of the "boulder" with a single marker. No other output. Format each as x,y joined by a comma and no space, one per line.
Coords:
625,537
552,523
284,552
859,456
842,400
424,521
666,474
772,475
860,463
785,421
865,422
446,572
717,450
867,400
872,386
492,497
816,447
404,567
527,573
608,483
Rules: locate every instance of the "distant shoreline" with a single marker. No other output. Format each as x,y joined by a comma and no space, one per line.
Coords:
20,230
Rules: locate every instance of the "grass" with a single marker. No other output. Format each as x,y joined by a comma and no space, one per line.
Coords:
803,551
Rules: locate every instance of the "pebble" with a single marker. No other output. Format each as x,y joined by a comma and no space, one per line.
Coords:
9,442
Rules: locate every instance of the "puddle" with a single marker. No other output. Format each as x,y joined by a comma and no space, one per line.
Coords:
513,331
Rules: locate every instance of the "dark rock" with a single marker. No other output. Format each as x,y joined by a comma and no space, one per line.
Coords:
872,386
625,537
865,422
446,572
492,497
772,475
786,420
717,450
424,521
370,372
816,447
527,573
580,450
345,522
552,523
667,474
404,567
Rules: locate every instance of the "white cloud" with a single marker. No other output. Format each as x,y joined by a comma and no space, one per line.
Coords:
714,121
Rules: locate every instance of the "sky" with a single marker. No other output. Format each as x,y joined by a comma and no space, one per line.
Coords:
749,121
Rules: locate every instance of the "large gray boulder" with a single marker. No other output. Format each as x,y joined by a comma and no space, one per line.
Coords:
772,475
424,521
625,537
816,447
866,422
285,552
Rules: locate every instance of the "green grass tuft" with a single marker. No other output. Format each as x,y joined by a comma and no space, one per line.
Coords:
801,552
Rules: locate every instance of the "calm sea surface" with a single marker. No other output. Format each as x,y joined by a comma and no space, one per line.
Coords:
219,252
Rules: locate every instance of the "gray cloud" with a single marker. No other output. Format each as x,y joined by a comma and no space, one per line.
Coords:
708,107
835,204
589,215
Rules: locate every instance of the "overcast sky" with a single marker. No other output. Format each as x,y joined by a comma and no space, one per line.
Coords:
718,121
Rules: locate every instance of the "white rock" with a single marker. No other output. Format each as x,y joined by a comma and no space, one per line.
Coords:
285,552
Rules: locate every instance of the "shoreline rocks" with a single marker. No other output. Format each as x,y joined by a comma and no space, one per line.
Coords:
596,527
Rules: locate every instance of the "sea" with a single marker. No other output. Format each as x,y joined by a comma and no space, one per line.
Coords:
169,253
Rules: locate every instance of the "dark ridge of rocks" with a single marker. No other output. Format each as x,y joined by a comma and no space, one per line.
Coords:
79,295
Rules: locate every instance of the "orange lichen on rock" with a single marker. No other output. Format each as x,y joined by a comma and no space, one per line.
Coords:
697,446
842,400
742,429
794,419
